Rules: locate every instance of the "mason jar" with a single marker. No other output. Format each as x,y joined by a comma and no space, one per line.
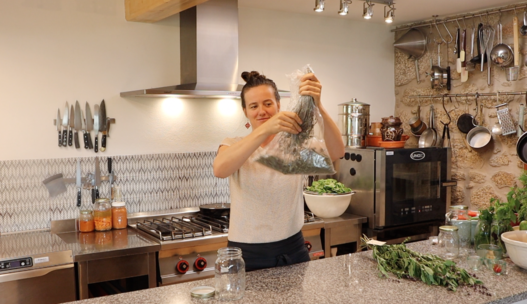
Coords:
102,214
230,274
449,242
86,221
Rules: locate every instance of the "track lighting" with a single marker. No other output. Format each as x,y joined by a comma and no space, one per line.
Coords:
344,7
319,6
367,10
388,14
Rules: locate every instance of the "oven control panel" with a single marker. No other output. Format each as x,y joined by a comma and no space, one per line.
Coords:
16,264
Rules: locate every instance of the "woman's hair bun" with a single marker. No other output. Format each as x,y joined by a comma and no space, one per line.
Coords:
251,76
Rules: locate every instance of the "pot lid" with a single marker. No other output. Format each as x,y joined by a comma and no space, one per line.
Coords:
354,101
448,228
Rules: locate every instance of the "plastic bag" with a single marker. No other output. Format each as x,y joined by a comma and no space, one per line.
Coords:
305,152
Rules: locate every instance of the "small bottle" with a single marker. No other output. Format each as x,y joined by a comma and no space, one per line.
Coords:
86,221
230,274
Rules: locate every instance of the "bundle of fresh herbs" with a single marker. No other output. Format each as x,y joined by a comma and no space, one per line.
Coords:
328,186
429,268
301,153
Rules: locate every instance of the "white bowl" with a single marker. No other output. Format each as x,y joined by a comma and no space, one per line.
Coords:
516,244
328,205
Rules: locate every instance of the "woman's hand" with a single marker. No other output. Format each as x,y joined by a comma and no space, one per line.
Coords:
282,122
309,85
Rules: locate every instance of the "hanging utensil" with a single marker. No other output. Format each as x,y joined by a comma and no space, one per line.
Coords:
501,54
466,121
512,72
429,136
457,48
523,29
413,43
504,117
479,136
470,64
489,42
446,129
462,55
521,118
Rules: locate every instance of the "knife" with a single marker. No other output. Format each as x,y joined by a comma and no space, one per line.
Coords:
58,124
96,127
102,124
72,125
65,124
78,182
77,123
110,176
97,177
89,126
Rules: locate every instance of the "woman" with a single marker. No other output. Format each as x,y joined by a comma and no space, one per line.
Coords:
267,210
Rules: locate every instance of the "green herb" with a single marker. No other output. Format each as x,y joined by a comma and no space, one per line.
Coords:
429,268
328,186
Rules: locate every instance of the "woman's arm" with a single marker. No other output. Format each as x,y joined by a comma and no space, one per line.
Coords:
230,158
311,86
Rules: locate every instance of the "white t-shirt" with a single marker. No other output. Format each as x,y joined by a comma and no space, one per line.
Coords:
266,205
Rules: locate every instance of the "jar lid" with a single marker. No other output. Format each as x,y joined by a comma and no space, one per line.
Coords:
102,200
448,228
459,207
86,212
202,292
118,204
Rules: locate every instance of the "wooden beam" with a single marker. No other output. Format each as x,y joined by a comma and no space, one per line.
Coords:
155,10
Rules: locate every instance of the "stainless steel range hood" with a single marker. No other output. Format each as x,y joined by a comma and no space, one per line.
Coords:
209,54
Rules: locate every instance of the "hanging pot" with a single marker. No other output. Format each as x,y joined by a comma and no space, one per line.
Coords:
439,77
479,136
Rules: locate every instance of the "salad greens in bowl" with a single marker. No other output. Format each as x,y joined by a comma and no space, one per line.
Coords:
328,198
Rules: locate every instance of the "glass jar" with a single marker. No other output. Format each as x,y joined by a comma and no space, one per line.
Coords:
456,212
230,274
482,235
449,242
102,214
86,221
119,216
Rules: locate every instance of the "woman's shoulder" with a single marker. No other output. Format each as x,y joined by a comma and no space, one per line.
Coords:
229,141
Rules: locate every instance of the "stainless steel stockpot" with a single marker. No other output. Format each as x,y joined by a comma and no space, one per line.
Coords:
354,121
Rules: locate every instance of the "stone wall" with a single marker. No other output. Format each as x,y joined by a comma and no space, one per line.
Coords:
481,173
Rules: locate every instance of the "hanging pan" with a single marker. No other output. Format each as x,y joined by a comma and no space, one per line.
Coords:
466,121
479,136
521,147
429,136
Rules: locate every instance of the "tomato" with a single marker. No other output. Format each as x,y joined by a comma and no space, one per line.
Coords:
461,217
473,213
496,268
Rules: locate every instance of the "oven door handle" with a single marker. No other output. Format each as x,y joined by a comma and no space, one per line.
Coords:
449,183
28,274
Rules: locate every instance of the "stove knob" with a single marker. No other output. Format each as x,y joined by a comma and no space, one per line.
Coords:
346,156
200,263
353,156
182,266
353,171
359,158
308,245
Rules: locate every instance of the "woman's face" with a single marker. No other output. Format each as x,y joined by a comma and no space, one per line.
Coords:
260,105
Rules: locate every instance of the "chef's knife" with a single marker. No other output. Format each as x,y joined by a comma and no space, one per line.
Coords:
89,125
79,182
72,125
97,177
77,123
102,124
110,176
65,124
58,123
83,127
96,127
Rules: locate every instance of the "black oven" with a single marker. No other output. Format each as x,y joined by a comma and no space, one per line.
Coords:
398,187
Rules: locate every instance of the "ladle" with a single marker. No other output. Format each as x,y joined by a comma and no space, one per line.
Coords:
502,54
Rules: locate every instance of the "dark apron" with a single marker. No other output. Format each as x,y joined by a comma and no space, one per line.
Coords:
266,255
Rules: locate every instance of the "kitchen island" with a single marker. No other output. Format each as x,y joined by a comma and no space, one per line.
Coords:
343,279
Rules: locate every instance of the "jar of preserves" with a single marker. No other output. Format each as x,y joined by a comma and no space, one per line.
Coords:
230,274
119,215
449,242
86,221
102,214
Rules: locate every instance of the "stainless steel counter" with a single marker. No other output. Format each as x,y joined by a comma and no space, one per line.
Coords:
344,229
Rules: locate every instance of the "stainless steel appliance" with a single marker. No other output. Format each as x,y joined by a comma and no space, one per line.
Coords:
399,190
354,121
47,278
190,241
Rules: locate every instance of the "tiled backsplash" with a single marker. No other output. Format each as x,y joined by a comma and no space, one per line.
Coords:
148,183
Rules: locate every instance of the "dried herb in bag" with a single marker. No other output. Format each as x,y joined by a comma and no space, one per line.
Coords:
302,153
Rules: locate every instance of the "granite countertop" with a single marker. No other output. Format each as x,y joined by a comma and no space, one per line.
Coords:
342,279
84,246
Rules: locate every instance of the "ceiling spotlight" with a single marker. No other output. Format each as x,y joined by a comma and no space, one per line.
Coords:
367,9
319,6
344,7
388,14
